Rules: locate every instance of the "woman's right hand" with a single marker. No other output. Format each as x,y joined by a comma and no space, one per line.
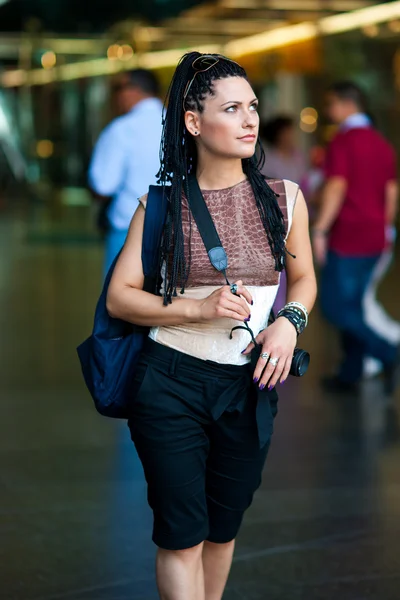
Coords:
222,304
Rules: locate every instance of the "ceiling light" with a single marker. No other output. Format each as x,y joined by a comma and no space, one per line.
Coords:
394,26
371,30
308,127
306,31
308,116
44,148
126,52
295,5
170,58
14,78
268,40
114,52
49,60
357,19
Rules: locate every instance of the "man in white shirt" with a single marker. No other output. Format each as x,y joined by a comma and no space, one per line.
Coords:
126,159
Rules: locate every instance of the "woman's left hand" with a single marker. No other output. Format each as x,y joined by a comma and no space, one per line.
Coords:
278,341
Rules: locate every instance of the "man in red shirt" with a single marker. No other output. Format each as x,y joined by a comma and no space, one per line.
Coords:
359,201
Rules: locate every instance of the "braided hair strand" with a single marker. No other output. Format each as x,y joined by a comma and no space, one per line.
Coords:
178,158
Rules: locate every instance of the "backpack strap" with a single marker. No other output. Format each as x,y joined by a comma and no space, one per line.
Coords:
155,215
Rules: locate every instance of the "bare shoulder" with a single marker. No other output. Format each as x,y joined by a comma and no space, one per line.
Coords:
137,223
128,270
299,208
143,200
292,190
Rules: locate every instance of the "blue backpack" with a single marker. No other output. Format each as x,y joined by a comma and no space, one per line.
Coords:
109,356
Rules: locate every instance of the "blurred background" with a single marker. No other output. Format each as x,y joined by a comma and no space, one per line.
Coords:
58,62
73,504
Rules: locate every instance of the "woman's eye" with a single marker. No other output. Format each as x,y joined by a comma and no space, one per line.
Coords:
231,109
254,107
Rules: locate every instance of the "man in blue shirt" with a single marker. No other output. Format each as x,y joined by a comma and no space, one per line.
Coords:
126,159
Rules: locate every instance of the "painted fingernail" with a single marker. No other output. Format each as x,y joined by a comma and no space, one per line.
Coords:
262,386
271,387
252,302
282,382
256,379
243,351
248,319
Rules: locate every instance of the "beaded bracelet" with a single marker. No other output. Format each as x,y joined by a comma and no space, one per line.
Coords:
297,314
295,310
299,306
294,317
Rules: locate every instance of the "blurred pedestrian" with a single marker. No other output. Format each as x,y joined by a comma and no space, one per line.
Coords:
359,203
313,180
376,316
283,158
126,157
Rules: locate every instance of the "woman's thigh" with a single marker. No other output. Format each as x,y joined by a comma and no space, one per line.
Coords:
167,428
234,470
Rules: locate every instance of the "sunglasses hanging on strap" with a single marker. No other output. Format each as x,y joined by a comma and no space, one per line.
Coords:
206,226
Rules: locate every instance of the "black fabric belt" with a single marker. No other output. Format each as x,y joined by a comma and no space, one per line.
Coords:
237,391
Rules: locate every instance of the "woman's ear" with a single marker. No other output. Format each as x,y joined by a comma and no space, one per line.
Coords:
192,122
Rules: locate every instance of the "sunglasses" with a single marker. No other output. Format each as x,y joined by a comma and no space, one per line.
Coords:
201,64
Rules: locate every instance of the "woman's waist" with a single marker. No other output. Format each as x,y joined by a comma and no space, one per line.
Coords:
165,357
206,344
212,340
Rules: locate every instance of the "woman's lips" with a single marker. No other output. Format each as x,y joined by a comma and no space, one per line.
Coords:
248,138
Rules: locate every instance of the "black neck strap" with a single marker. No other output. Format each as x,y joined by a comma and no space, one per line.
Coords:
206,226
210,237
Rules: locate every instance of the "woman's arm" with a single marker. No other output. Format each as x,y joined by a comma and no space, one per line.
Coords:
301,281
279,339
126,299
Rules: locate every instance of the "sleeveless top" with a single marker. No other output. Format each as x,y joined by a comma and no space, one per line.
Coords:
243,236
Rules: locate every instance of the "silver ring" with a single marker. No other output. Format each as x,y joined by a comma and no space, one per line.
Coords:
234,288
274,361
265,355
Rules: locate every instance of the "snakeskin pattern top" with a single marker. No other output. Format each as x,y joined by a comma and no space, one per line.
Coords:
242,234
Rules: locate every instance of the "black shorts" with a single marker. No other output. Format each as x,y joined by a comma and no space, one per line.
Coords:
194,427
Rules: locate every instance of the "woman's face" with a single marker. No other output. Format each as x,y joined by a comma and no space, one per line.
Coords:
228,125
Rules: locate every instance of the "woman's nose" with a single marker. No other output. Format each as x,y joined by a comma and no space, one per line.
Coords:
250,119
249,124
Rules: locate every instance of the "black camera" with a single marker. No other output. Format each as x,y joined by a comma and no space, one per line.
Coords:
300,362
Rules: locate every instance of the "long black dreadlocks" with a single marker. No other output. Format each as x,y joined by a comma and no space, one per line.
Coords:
178,156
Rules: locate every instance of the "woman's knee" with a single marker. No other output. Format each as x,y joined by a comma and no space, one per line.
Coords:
215,547
186,555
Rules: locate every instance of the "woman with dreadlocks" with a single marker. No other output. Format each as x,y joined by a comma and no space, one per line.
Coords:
203,406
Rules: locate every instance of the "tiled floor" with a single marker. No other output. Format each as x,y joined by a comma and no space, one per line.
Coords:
74,520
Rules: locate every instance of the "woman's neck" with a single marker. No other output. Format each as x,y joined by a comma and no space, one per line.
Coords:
218,174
